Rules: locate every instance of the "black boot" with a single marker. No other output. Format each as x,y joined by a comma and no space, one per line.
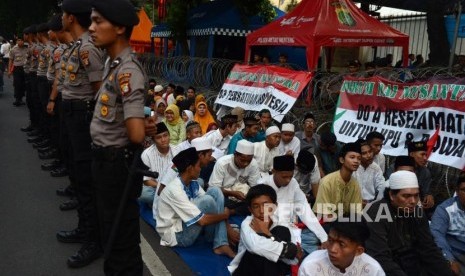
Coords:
86,255
73,236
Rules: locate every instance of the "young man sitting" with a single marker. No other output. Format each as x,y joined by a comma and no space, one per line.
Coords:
376,140
263,244
289,144
345,254
292,203
265,151
307,175
185,209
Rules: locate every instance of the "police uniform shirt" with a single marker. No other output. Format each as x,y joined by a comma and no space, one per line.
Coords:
27,64
54,61
18,56
36,49
120,97
84,66
62,65
43,59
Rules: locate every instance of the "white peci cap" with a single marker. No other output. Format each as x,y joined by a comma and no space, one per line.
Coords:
288,127
403,180
158,88
272,130
201,144
245,147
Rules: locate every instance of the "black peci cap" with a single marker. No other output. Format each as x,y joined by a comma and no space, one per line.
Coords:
55,24
417,146
32,29
77,6
119,12
42,28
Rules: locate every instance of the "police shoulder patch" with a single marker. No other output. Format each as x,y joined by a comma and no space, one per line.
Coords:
85,58
123,80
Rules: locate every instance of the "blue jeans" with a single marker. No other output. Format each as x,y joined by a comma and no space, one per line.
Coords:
147,195
210,203
310,241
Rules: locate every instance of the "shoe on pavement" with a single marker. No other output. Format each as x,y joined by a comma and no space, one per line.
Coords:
34,139
73,236
86,255
48,155
68,191
50,165
45,149
41,144
27,128
59,172
69,205
33,133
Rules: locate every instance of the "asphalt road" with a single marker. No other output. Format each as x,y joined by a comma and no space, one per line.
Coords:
29,214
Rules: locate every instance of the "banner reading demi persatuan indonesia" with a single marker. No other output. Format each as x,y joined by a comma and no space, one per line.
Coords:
432,110
258,87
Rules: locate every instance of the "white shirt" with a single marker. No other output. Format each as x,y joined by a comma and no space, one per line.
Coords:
170,99
225,173
380,159
293,146
306,180
170,174
175,208
156,161
220,144
264,157
319,264
5,50
256,244
291,203
371,180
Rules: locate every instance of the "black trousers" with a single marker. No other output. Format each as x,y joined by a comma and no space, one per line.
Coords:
33,100
55,126
44,88
77,116
110,168
19,83
254,265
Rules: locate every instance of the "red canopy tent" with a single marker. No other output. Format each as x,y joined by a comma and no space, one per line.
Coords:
333,23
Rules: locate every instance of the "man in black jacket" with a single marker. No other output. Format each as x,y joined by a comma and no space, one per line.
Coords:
400,239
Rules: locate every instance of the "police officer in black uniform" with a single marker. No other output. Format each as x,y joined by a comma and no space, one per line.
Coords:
83,77
118,130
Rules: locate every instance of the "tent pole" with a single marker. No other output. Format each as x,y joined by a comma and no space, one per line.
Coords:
456,30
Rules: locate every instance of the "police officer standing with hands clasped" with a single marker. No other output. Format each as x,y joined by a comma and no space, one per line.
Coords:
118,130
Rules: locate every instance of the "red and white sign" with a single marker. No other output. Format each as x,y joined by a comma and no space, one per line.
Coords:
432,111
255,87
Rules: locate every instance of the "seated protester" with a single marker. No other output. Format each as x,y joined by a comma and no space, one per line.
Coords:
307,175
263,244
221,137
204,151
340,189
249,133
417,150
401,163
265,122
345,253
400,238
235,174
289,144
369,175
265,151
448,228
175,124
327,153
187,116
375,140
158,158
203,116
308,137
192,131
291,197
240,113
160,107
185,209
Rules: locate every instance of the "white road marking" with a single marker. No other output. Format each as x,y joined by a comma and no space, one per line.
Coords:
151,260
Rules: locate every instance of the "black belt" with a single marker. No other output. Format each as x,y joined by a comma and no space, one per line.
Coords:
113,153
78,104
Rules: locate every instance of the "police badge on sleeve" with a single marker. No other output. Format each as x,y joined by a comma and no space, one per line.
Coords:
123,80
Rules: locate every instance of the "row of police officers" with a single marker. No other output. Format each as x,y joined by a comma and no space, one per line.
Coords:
85,93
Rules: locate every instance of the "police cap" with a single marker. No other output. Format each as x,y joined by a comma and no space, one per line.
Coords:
55,24
32,29
42,28
76,6
118,12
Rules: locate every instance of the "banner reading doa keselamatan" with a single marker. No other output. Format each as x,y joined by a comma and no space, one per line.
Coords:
258,87
432,110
